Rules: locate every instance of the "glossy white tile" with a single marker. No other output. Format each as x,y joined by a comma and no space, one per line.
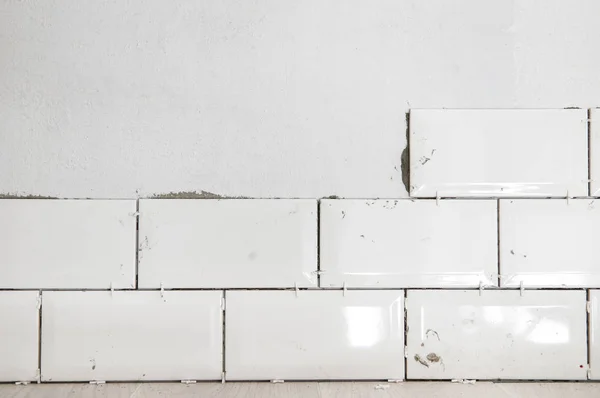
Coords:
67,244
595,152
132,335
594,334
19,330
228,243
459,334
549,242
314,335
498,152
408,243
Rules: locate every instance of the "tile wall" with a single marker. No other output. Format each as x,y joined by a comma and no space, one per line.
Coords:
491,270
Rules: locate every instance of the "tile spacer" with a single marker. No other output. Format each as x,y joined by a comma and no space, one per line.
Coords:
276,381
344,290
97,382
22,383
112,289
521,288
296,288
437,198
568,198
589,373
222,377
588,306
188,381
39,301
480,287
162,292
394,380
38,375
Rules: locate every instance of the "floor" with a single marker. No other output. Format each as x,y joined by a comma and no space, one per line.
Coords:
305,390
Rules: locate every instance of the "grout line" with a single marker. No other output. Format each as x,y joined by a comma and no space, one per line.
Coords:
292,381
40,336
314,289
588,321
224,370
409,190
498,241
319,243
405,336
589,137
137,243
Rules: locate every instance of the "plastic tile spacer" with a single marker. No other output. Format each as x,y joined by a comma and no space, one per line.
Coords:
480,288
344,288
437,198
296,288
521,288
162,292
277,381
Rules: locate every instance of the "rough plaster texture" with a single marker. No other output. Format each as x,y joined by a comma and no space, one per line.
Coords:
264,98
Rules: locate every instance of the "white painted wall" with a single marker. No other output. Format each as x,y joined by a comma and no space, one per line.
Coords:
267,98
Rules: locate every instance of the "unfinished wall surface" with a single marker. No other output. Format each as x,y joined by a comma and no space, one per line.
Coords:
114,99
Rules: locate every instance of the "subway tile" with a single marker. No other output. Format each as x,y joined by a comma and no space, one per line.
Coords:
594,334
549,242
408,243
132,335
495,334
313,335
19,331
67,244
595,151
228,243
491,153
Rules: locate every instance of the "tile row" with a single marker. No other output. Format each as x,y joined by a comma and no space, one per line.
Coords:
308,335
504,152
458,243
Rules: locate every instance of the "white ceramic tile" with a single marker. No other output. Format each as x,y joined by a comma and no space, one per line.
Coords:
550,242
515,152
76,244
132,335
228,243
314,335
19,330
594,334
595,151
408,243
457,334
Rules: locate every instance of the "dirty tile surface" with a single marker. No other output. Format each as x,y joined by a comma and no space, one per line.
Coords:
406,243
496,335
321,335
491,153
131,336
227,243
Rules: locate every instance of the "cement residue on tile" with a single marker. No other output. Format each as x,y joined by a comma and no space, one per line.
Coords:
193,195
405,158
18,196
